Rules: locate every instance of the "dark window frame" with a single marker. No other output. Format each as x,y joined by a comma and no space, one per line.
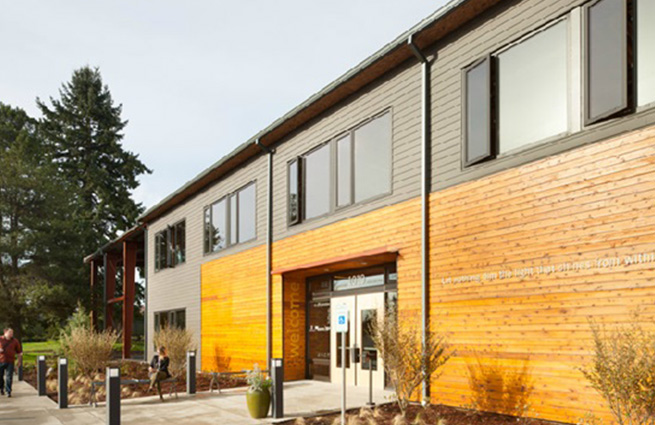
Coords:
171,316
491,124
208,248
169,237
297,161
628,86
333,178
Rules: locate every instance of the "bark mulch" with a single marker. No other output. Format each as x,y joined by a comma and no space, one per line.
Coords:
79,387
386,414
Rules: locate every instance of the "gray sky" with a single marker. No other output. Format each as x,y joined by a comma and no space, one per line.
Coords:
196,78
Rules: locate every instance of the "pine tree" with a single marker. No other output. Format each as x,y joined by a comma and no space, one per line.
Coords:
36,241
84,131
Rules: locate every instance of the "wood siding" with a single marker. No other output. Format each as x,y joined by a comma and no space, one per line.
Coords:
559,235
570,214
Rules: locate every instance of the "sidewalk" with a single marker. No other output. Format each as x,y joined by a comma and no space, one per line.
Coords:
301,398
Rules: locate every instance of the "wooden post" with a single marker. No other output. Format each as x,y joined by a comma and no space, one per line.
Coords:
110,288
94,301
129,270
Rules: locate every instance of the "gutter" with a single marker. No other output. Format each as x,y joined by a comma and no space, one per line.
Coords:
425,201
269,252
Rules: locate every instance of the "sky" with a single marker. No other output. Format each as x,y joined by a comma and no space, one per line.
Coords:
195,78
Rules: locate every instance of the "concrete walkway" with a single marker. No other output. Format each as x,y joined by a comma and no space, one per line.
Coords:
302,398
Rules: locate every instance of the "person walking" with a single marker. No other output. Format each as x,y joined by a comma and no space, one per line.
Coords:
10,349
159,370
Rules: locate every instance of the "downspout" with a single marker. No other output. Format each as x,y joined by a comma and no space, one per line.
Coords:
269,253
145,304
425,192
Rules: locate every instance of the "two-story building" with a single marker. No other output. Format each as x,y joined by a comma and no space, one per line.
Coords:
490,173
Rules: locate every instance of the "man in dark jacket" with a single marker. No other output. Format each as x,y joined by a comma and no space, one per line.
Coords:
10,349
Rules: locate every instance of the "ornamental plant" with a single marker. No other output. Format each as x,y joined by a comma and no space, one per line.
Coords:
622,370
256,380
177,342
407,362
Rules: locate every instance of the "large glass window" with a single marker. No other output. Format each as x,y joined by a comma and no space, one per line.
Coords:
294,191
373,158
231,220
218,233
354,167
533,88
173,318
179,242
247,213
478,123
607,59
645,51
317,182
344,171
170,246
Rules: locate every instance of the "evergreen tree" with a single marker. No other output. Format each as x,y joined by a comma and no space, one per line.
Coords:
36,241
83,129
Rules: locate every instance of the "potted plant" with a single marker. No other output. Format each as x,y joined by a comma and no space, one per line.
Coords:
258,396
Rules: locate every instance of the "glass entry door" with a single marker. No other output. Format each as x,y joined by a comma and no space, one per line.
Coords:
363,310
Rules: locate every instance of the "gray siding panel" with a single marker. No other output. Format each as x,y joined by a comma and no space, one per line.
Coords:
179,287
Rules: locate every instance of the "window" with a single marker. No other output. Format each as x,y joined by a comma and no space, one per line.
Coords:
354,167
231,220
373,158
533,88
344,171
174,318
478,119
246,212
294,191
170,246
317,182
179,242
607,59
645,52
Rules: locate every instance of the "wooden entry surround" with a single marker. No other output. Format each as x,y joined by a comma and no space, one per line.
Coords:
295,301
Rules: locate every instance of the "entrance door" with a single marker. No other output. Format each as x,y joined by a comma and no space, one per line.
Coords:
363,310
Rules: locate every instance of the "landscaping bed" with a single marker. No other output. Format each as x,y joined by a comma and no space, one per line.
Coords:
79,388
386,414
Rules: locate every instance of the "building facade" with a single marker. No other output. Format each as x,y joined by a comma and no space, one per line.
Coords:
490,174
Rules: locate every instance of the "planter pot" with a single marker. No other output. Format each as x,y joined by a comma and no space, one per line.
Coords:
259,402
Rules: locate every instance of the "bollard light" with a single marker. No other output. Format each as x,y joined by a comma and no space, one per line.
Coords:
191,372
40,375
62,379
113,387
277,373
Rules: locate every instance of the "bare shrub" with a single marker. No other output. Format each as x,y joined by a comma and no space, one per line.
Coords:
498,388
177,342
406,362
623,371
89,350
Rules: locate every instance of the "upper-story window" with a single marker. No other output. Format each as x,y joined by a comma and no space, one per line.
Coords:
230,220
527,92
354,167
170,246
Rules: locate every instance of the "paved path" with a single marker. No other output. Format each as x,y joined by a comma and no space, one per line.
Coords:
301,398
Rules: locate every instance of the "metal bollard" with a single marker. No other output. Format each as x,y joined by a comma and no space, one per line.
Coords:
191,372
113,387
277,373
62,378
20,372
40,375
369,355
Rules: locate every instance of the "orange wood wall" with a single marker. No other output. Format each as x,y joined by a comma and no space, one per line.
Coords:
294,328
571,214
596,202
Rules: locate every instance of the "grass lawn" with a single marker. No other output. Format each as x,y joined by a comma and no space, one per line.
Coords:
33,349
